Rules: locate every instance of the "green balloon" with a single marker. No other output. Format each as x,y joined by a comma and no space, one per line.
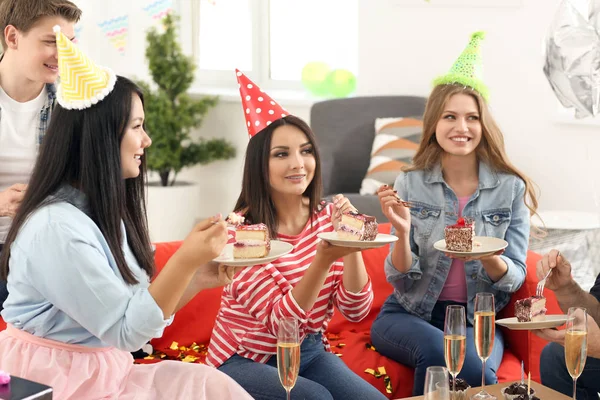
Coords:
314,78
341,82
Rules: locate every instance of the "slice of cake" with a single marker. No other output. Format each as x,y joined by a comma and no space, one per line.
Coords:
531,309
459,237
356,226
251,241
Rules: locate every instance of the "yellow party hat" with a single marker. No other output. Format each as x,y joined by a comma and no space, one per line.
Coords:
82,83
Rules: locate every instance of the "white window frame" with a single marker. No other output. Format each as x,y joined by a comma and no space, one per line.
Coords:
189,12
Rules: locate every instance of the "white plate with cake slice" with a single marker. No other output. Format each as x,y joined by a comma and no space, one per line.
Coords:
482,246
380,240
549,321
278,249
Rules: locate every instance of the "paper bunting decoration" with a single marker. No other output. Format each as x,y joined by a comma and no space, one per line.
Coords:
158,9
116,30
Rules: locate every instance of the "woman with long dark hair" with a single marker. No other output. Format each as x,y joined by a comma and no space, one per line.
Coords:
281,188
78,258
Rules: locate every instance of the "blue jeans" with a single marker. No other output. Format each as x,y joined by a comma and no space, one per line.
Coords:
322,376
419,344
555,375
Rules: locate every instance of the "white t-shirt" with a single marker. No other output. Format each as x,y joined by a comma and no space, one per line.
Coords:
19,125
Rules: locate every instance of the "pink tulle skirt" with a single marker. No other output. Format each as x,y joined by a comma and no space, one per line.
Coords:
78,372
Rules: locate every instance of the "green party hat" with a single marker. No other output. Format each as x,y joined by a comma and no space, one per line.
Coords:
467,70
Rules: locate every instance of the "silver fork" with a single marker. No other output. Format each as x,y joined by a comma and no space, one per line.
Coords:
540,286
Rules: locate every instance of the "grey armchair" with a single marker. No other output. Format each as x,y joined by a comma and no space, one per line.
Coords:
345,129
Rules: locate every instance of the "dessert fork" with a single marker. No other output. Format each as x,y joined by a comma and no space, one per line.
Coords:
540,286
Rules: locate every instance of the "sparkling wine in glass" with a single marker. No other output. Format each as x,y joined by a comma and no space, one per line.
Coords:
455,341
436,384
485,332
576,344
288,353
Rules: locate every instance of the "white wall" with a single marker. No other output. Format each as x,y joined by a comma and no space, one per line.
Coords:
401,50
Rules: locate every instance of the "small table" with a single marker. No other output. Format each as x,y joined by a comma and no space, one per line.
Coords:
541,392
20,388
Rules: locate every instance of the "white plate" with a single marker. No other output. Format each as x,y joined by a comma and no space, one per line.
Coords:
381,240
551,321
278,249
482,245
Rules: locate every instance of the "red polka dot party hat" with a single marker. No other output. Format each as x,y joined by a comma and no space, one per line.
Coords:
260,109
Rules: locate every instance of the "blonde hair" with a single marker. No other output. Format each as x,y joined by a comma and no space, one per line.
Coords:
24,14
490,150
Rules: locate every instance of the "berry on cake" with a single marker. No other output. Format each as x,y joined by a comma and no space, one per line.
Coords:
251,241
357,226
531,309
459,237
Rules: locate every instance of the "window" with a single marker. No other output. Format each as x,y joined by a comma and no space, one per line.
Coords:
272,40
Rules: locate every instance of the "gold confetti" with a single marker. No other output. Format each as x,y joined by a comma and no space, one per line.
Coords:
388,384
382,370
370,346
174,346
189,359
370,371
340,345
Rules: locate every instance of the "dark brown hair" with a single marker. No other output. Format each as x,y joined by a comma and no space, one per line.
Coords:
24,14
255,199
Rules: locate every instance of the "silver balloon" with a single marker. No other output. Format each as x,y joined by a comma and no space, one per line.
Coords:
572,59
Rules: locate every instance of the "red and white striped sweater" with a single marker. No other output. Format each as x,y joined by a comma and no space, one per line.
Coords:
258,297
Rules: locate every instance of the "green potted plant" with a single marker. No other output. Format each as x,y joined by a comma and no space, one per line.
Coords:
171,115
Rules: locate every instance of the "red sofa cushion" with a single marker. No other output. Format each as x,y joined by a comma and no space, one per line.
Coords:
194,322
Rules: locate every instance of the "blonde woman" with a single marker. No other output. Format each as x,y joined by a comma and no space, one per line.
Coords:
460,169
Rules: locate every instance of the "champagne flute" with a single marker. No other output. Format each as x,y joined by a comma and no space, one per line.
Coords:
436,384
455,341
288,353
576,344
485,332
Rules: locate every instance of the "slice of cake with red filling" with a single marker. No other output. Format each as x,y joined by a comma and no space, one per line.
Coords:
251,241
530,309
459,237
356,226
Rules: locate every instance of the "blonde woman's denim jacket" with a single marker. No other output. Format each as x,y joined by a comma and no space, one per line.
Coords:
499,211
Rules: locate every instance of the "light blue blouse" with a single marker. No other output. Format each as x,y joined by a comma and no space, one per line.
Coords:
64,284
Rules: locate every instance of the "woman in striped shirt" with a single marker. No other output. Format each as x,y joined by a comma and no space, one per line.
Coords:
281,188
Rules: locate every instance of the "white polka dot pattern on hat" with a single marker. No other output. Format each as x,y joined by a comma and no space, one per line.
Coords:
253,106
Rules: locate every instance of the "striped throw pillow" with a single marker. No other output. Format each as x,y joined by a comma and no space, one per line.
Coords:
396,142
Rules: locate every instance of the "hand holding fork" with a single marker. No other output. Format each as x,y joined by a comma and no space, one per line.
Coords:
394,208
553,272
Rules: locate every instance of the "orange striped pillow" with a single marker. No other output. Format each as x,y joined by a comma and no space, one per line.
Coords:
396,142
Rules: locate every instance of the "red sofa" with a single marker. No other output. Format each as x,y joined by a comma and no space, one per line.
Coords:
194,322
